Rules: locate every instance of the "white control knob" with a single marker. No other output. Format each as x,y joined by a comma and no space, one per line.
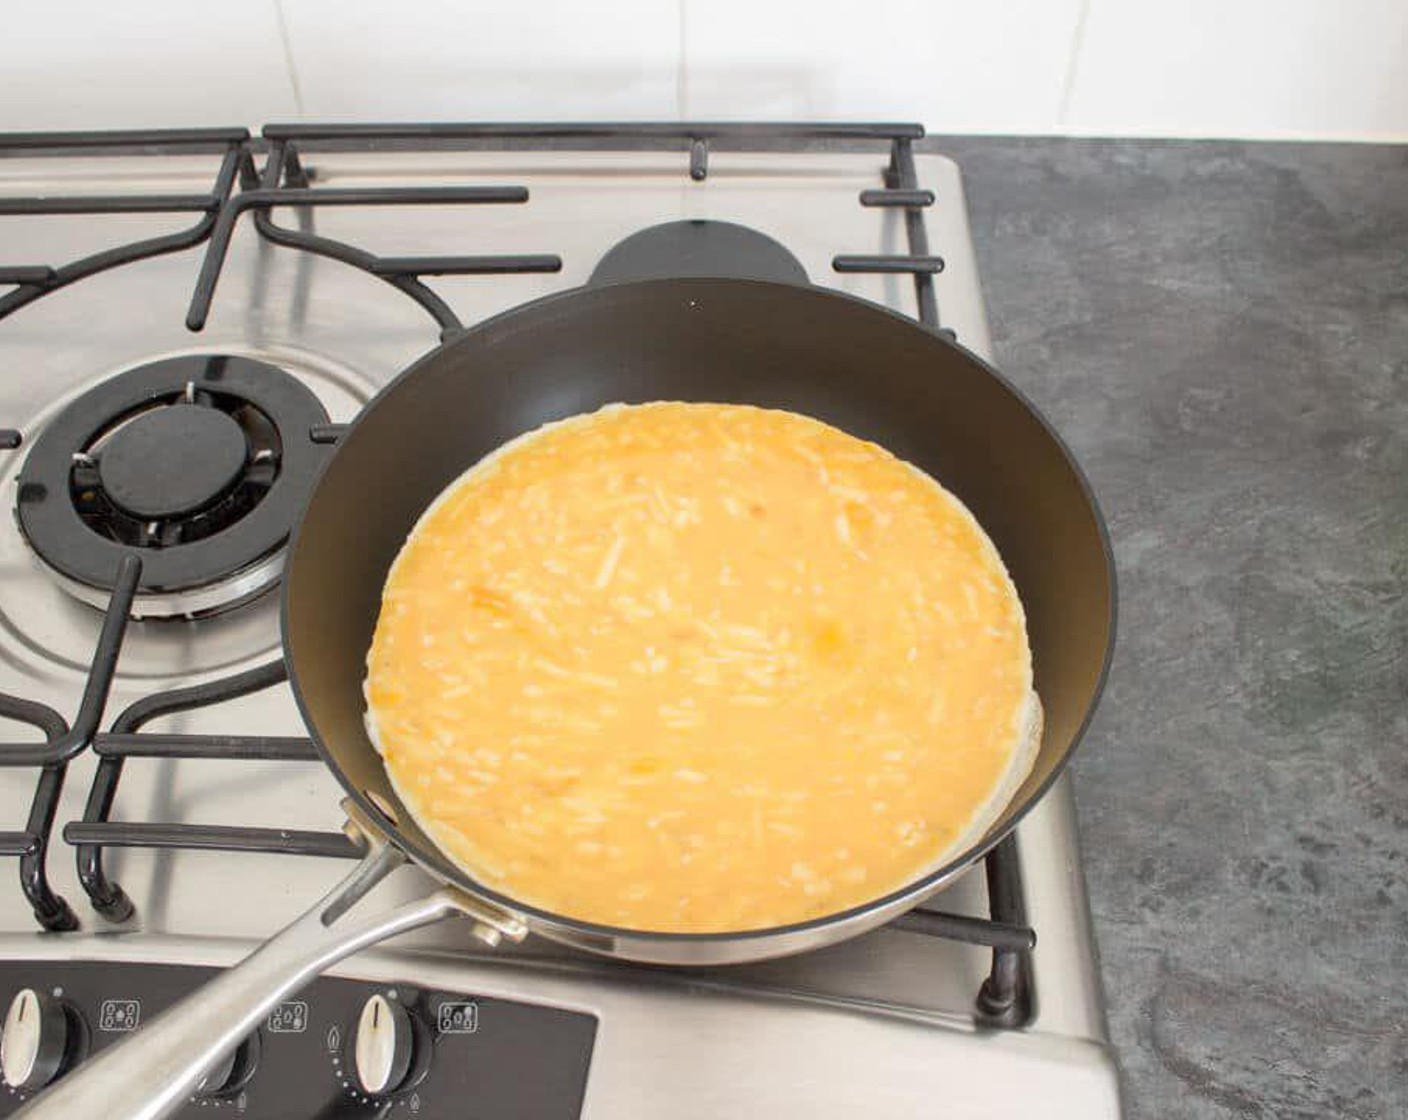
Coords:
34,1040
384,1045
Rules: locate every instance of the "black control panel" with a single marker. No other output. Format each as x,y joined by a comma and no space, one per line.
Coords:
338,1050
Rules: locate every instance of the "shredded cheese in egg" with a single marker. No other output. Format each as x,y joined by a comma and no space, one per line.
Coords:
646,667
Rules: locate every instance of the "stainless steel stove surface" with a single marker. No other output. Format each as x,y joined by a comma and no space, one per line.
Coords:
885,1024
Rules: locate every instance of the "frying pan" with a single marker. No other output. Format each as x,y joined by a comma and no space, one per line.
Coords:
850,363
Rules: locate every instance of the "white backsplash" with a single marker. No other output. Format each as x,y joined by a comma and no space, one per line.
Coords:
1254,68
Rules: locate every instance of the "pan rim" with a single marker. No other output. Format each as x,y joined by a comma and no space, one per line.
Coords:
433,861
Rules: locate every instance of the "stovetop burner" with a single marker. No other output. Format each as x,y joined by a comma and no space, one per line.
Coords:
201,462
698,247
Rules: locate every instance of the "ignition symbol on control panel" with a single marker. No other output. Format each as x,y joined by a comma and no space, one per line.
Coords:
459,1018
290,1017
119,1014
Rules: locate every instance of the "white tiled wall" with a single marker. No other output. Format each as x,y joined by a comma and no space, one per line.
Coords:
955,65
1273,68
1310,68
128,63
448,59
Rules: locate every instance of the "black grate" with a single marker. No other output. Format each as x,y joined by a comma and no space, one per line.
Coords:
285,179
31,281
61,743
96,832
31,844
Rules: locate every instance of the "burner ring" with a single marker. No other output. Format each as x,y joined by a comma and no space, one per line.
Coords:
222,542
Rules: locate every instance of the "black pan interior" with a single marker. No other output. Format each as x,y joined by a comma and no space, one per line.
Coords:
850,363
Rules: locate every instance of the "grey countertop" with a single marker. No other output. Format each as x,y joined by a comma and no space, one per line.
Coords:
1221,332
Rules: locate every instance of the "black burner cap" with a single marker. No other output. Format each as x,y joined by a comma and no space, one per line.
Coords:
698,247
173,461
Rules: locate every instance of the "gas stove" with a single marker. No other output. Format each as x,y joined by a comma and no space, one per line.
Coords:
186,321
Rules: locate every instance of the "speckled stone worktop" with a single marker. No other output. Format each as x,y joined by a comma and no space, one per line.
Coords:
1221,332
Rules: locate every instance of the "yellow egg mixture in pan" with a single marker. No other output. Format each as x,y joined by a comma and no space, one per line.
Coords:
700,668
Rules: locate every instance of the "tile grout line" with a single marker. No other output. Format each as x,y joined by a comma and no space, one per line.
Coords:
1068,81
682,65
288,56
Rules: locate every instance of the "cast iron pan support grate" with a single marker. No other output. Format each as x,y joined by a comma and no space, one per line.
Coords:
284,182
902,191
31,281
32,843
61,743
125,741
1006,996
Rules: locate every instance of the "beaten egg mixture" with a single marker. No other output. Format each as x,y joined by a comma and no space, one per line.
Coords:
699,668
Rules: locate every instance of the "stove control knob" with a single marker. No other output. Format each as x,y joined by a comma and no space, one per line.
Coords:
231,1073
217,1078
34,1041
384,1047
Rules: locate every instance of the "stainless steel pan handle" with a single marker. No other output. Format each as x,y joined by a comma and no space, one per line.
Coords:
151,1073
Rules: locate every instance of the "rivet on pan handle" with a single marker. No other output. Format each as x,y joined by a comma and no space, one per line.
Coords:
491,923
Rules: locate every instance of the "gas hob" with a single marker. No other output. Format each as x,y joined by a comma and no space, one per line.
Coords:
165,296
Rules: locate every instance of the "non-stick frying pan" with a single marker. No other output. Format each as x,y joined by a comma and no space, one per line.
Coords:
850,363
